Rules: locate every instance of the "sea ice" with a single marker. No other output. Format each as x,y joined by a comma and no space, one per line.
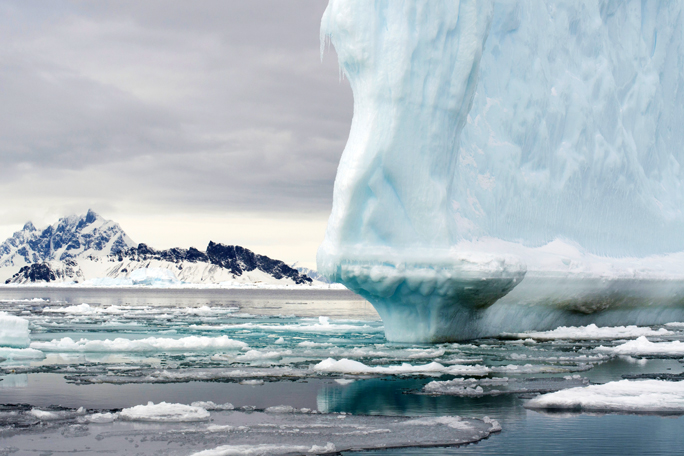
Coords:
164,412
178,429
471,387
633,396
511,164
14,331
121,345
644,347
593,332
18,354
347,366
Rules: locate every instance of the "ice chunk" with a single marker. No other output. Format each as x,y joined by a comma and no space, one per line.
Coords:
470,387
18,354
209,405
100,418
190,343
642,347
499,156
14,331
86,309
593,332
642,396
347,366
164,412
266,450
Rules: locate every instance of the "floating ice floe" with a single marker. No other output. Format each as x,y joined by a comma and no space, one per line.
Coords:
470,387
14,331
209,405
86,309
593,332
19,354
164,412
293,433
643,347
323,326
190,343
634,396
265,450
184,429
348,366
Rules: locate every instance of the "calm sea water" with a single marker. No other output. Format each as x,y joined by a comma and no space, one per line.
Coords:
288,336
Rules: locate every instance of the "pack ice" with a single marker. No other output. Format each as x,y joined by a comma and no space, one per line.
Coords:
511,165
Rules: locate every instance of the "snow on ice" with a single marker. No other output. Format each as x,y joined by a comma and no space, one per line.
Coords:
634,396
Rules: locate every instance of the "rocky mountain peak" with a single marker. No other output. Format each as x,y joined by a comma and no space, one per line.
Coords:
71,237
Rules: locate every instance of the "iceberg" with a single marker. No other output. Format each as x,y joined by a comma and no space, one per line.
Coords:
14,331
511,165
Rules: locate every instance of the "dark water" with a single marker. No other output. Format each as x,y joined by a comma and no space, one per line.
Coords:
49,382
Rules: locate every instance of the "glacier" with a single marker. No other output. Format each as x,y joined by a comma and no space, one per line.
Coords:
512,165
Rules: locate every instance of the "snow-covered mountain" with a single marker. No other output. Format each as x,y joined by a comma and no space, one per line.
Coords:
71,237
97,251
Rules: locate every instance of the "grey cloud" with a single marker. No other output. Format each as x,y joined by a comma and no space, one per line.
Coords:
223,105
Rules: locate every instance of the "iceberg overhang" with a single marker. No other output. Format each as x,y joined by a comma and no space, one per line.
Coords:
511,165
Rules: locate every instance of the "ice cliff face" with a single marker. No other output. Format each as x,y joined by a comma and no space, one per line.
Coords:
575,131
501,147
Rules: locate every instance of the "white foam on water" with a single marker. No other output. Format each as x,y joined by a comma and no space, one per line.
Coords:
634,396
164,412
593,332
642,346
190,343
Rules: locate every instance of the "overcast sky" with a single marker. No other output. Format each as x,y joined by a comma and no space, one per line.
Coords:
183,121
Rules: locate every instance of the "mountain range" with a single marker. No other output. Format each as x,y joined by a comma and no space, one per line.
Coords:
89,249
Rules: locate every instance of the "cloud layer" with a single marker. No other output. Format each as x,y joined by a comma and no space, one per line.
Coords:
167,107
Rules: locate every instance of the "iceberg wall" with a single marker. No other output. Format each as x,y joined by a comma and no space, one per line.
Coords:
507,155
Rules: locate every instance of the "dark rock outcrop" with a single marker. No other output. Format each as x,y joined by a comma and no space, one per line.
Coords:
234,258
37,272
